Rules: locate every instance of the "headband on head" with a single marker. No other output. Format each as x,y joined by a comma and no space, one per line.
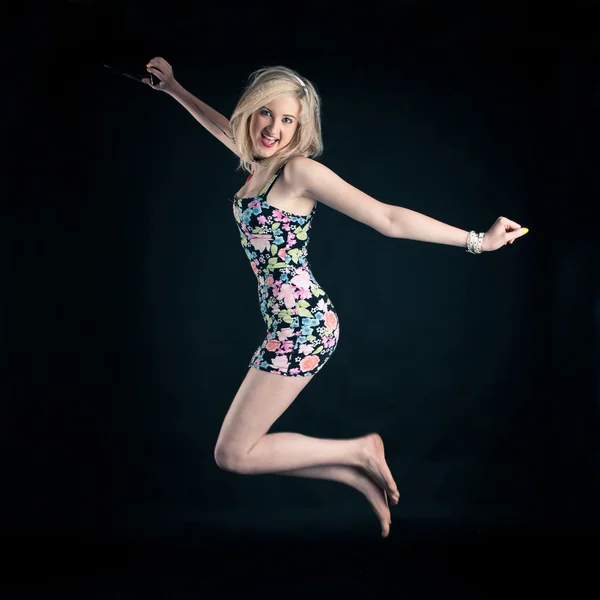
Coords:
301,82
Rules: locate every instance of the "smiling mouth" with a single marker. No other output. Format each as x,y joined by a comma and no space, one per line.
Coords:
268,142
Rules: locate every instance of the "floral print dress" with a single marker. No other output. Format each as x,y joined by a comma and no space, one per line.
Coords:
302,324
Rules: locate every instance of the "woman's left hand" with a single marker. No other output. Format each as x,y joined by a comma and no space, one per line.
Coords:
502,232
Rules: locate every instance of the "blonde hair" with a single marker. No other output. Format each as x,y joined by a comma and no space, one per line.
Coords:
265,85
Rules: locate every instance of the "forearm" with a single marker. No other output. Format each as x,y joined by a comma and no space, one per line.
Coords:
209,118
411,225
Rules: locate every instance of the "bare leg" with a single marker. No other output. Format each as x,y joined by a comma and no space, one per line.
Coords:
356,479
277,452
245,447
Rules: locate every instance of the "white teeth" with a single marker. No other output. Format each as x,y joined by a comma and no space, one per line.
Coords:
270,139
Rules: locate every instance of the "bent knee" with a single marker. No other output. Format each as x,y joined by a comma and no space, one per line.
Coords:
229,458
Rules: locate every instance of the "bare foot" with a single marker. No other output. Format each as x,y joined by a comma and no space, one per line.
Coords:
373,463
377,498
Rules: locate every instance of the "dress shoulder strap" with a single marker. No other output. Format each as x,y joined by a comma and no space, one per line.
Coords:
270,183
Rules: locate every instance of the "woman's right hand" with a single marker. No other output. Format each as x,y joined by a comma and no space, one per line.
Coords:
163,72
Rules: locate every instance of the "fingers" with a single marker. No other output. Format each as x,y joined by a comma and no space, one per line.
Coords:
508,224
520,232
159,63
153,64
155,72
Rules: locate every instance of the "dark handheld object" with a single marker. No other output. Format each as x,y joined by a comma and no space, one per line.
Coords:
153,79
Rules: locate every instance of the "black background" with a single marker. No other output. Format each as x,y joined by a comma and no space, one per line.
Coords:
129,311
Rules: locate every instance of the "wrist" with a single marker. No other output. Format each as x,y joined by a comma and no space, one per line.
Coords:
484,244
175,89
475,243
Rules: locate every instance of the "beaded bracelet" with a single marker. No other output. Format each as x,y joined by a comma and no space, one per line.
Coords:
474,242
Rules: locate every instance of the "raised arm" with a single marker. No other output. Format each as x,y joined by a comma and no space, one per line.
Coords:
210,119
317,181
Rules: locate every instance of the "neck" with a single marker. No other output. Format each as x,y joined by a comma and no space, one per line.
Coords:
258,166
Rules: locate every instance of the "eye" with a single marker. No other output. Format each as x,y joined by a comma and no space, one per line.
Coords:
265,112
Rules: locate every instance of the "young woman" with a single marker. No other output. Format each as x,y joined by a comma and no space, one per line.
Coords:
275,130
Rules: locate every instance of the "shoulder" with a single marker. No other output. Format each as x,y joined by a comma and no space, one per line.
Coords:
301,164
312,179
301,171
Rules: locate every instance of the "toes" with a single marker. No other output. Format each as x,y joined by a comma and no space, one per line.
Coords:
393,490
385,529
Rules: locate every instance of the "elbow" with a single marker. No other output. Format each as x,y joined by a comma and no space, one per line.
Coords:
387,225
385,229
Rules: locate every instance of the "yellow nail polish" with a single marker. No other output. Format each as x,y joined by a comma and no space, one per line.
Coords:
526,230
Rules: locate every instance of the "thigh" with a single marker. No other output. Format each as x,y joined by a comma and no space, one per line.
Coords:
260,400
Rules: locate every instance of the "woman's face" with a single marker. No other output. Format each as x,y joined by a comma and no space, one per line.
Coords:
273,125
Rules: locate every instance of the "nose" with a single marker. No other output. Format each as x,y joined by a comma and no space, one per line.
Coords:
272,128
